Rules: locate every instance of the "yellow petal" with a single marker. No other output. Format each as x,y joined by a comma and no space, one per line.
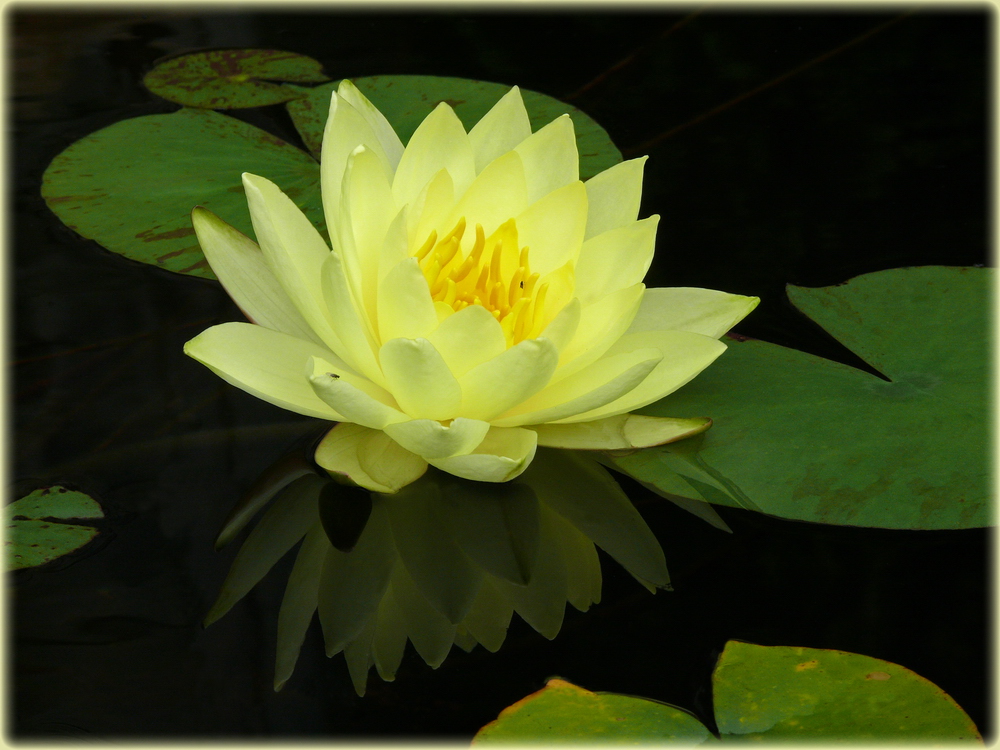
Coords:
620,432
387,138
684,356
294,252
703,311
419,378
431,439
395,248
264,363
503,382
346,129
550,158
502,455
615,259
368,209
468,338
563,327
601,325
240,266
428,210
356,399
352,328
497,194
601,383
553,227
368,458
405,307
439,142
614,196
500,129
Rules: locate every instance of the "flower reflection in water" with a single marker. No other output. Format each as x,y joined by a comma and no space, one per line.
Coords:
444,561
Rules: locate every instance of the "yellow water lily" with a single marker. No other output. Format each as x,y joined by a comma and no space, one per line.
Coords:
479,299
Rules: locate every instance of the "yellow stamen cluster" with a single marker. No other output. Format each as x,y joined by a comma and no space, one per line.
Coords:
483,278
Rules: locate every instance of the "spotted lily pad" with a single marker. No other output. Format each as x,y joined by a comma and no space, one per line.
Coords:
132,185
760,693
407,100
232,78
781,693
36,529
797,436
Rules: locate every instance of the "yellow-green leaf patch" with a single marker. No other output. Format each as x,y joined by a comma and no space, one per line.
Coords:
782,693
562,713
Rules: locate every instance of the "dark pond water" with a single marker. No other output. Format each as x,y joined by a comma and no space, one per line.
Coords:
800,148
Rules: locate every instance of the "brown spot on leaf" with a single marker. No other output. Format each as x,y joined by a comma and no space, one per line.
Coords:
149,236
811,664
878,676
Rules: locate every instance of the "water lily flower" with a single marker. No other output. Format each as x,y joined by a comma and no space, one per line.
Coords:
479,299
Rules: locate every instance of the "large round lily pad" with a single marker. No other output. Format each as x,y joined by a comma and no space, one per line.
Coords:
232,78
801,437
132,185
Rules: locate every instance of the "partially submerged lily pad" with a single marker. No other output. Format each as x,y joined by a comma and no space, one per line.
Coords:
233,78
760,693
37,531
132,185
797,436
407,100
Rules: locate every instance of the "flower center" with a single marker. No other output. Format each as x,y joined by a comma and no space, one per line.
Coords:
498,279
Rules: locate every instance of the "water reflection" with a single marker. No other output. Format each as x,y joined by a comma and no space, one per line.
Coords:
444,561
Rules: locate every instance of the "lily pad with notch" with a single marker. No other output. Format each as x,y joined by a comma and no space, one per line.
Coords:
797,436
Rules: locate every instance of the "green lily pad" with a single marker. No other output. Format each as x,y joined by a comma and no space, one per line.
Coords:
131,186
232,78
562,713
781,693
407,100
760,693
36,533
797,436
